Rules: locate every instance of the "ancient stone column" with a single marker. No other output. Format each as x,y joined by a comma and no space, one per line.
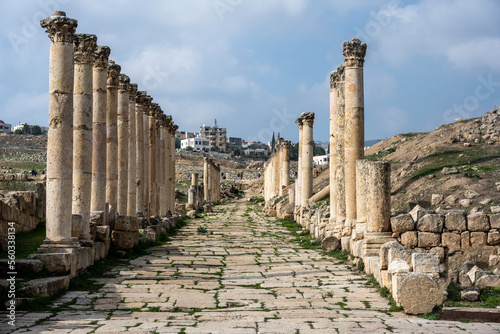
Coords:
123,140
307,156
277,168
362,205
147,106
298,180
152,157
340,152
206,180
132,151
332,148
85,46
379,209
166,163
139,158
354,52
112,135
99,83
163,152
61,30
285,166
159,167
173,129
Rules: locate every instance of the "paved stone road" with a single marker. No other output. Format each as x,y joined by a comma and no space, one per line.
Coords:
246,277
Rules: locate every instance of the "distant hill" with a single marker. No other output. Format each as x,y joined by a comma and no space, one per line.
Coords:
372,142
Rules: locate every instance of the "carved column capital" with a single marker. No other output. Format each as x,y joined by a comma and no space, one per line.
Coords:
140,97
132,92
101,56
85,46
59,27
307,118
124,81
287,144
299,122
354,52
113,73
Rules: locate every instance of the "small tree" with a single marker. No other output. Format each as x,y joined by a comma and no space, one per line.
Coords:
18,132
26,128
177,142
36,130
189,148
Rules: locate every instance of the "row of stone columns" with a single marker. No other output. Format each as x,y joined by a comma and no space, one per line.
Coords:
359,189
211,181
277,170
107,142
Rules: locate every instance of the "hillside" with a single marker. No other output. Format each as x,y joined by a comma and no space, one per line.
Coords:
458,163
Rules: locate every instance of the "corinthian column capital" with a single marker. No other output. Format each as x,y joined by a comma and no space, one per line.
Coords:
354,52
85,46
101,56
132,92
113,73
124,82
59,27
307,118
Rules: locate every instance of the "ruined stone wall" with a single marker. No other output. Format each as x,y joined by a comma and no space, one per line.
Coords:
25,208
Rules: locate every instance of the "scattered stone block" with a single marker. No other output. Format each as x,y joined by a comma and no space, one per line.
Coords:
428,239
102,234
494,261
57,263
451,240
478,222
471,194
464,281
402,223
330,243
127,223
465,203
488,281
485,201
399,253
431,223
495,209
436,199
384,252
419,293
478,239
493,238
191,214
23,266
474,274
426,263
449,171
44,286
470,295
409,239
97,217
417,212
451,199
125,240
455,220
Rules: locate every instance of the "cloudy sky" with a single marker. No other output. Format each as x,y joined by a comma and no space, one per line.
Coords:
255,65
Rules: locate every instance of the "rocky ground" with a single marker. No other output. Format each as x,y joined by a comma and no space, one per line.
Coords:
245,275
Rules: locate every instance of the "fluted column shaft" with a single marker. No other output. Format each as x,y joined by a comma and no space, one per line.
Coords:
123,136
307,156
132,151
112,135
82,130
98,196
60,138
354,52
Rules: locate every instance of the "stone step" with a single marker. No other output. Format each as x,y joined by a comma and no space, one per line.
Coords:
469,313
22,267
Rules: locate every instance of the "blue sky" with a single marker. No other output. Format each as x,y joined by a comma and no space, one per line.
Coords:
255,65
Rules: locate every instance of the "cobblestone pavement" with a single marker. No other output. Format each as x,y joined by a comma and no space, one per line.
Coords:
249,276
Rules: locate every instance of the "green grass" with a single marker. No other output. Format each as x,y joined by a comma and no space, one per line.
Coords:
28,242
23,166
7,186
303,237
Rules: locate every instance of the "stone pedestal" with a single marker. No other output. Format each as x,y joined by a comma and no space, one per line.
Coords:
354,52
98,197
61,30
123,141
82,131
112,135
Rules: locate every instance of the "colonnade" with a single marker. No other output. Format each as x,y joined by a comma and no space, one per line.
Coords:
277,170
211,181
108,145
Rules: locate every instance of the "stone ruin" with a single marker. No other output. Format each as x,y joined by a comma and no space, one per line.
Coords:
408,254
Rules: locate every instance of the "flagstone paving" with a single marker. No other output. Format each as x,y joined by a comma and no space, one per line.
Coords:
246,275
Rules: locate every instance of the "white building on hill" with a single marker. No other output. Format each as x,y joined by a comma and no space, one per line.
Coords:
199,144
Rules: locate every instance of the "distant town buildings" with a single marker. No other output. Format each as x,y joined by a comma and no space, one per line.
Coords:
199,144
234,141
256,149
320,160
216,135
21,126
5,128
184,134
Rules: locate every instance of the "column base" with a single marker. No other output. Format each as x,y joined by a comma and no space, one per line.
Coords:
373,241
59,244
86,241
